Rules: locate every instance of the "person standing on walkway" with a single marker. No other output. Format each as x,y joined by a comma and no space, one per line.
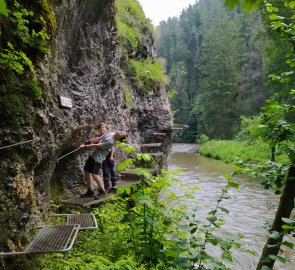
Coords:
109,172
101,146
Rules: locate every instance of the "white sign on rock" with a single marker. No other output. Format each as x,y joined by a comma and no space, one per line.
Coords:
66,102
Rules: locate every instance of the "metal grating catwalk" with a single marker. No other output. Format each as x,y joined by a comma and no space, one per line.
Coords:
50,239
87,221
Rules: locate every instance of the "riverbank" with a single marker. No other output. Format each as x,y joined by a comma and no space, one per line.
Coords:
232,151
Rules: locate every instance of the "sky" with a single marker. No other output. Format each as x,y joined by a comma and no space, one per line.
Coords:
161,10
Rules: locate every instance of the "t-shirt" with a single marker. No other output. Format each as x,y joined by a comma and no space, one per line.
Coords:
107,141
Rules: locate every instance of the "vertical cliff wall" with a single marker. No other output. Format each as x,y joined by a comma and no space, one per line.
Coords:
84,66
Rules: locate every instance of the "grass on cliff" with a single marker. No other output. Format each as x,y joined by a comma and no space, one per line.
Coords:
132,24
147,75
135,33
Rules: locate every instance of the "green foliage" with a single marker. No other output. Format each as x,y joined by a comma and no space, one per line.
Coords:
24,35
247,4
12,60
274,128
33,87
171,94
271,175
3,8
148,226
146,75
21,17
246,126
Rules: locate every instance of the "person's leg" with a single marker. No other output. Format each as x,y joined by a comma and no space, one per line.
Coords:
89,192
106,174
113,173
87,178
98,180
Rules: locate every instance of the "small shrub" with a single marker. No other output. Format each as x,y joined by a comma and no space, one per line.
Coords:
202,139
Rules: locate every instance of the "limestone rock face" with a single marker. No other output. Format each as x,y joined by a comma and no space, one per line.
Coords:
84,66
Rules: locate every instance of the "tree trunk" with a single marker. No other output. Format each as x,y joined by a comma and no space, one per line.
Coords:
284,210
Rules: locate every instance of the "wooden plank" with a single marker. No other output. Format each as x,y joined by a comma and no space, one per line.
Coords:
157,154
159,134
151,145
175,127
85,202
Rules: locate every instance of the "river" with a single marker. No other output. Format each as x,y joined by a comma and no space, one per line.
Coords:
250,207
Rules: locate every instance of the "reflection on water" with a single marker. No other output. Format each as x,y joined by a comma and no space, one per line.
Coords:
250,206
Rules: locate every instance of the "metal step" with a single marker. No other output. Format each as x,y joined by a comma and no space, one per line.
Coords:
86,221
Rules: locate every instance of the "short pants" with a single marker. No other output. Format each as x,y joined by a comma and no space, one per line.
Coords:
91,166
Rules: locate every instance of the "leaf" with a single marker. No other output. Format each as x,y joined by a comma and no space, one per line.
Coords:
224,210
289,3
279,258
275,235
273,17
228,176
231,3
250,4
233,185
288,244
287,220
213,240
171,253
3,8
212,218
227,255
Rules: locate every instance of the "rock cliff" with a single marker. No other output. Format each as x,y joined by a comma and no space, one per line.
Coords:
83,66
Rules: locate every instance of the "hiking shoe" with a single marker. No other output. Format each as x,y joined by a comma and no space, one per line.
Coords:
102,193
114,186
87,194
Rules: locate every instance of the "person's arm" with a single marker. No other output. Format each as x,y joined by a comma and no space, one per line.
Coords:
112,153
95,145
96,140
93,141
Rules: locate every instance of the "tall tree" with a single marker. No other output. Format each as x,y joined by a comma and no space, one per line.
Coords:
220,81
252,92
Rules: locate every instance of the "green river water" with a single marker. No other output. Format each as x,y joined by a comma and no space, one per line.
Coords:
250,207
